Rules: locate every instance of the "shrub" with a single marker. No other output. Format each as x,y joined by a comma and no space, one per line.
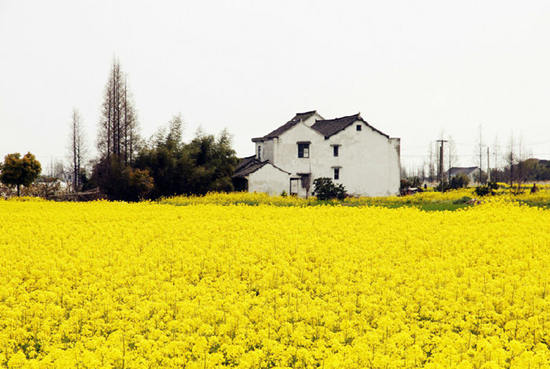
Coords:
443,187
489,189
325,189
461,180
120,182
407,183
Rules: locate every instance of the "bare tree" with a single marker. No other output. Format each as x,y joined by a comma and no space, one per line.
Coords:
478,155
510,159
522,156
77,149
453,157
118,135
496,151
431,163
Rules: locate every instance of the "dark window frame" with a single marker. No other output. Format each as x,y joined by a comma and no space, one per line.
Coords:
358,127
336,150
336,173
303,150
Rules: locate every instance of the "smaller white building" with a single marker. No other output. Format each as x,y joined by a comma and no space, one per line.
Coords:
471,172
348,149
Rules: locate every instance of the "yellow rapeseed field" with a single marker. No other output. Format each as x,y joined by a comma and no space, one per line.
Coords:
148,285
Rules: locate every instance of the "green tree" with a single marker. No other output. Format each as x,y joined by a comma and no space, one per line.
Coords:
167,159
461,180
120,182
18,171
214,163
203,165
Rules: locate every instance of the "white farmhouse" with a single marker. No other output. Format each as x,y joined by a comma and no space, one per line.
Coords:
348,149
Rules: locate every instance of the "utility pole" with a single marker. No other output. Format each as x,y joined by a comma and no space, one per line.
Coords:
488,166
441,142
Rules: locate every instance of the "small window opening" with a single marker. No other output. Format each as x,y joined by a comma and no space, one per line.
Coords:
358,127
259,153
303,150
336,173
336,150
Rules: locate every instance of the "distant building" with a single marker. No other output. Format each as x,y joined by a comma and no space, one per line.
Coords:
470,172
348,149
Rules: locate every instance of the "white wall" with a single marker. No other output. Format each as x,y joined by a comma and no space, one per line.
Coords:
369,161
270,180
269,147
266,151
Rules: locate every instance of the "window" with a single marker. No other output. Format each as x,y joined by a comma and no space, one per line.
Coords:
336,173
259,153
335,150
358,127
303,149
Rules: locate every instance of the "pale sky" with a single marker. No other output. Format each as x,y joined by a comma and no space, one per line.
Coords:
414,69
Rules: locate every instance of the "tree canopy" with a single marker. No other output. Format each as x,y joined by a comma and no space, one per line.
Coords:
19,171
202,165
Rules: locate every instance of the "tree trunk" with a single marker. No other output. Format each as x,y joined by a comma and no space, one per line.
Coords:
18,191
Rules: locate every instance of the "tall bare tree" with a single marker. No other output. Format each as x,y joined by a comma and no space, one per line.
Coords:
510,158
118,135
77,149
431,163
478,155
496,152
452,157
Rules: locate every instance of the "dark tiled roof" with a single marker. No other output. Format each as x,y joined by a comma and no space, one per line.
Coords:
249,165
288,125
329,127
244,162
462,170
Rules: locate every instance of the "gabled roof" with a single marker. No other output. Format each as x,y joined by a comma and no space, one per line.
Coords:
288,125
249,165
329,127
244,162
250,168
462,170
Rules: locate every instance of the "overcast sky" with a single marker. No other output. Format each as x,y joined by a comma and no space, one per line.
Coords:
414,69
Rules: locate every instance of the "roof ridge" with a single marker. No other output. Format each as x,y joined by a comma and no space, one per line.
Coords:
358,115
297,118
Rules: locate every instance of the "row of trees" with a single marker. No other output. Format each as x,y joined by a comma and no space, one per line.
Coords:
512,164
129,168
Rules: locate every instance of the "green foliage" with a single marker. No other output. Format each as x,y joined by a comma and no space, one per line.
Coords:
458,181
204,165
120,182
443,187
168,161
19,171
522,171
214,162
489,189
463,200
325,189
461,180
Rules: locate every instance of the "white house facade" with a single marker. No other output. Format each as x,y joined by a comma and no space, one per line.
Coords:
347,149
